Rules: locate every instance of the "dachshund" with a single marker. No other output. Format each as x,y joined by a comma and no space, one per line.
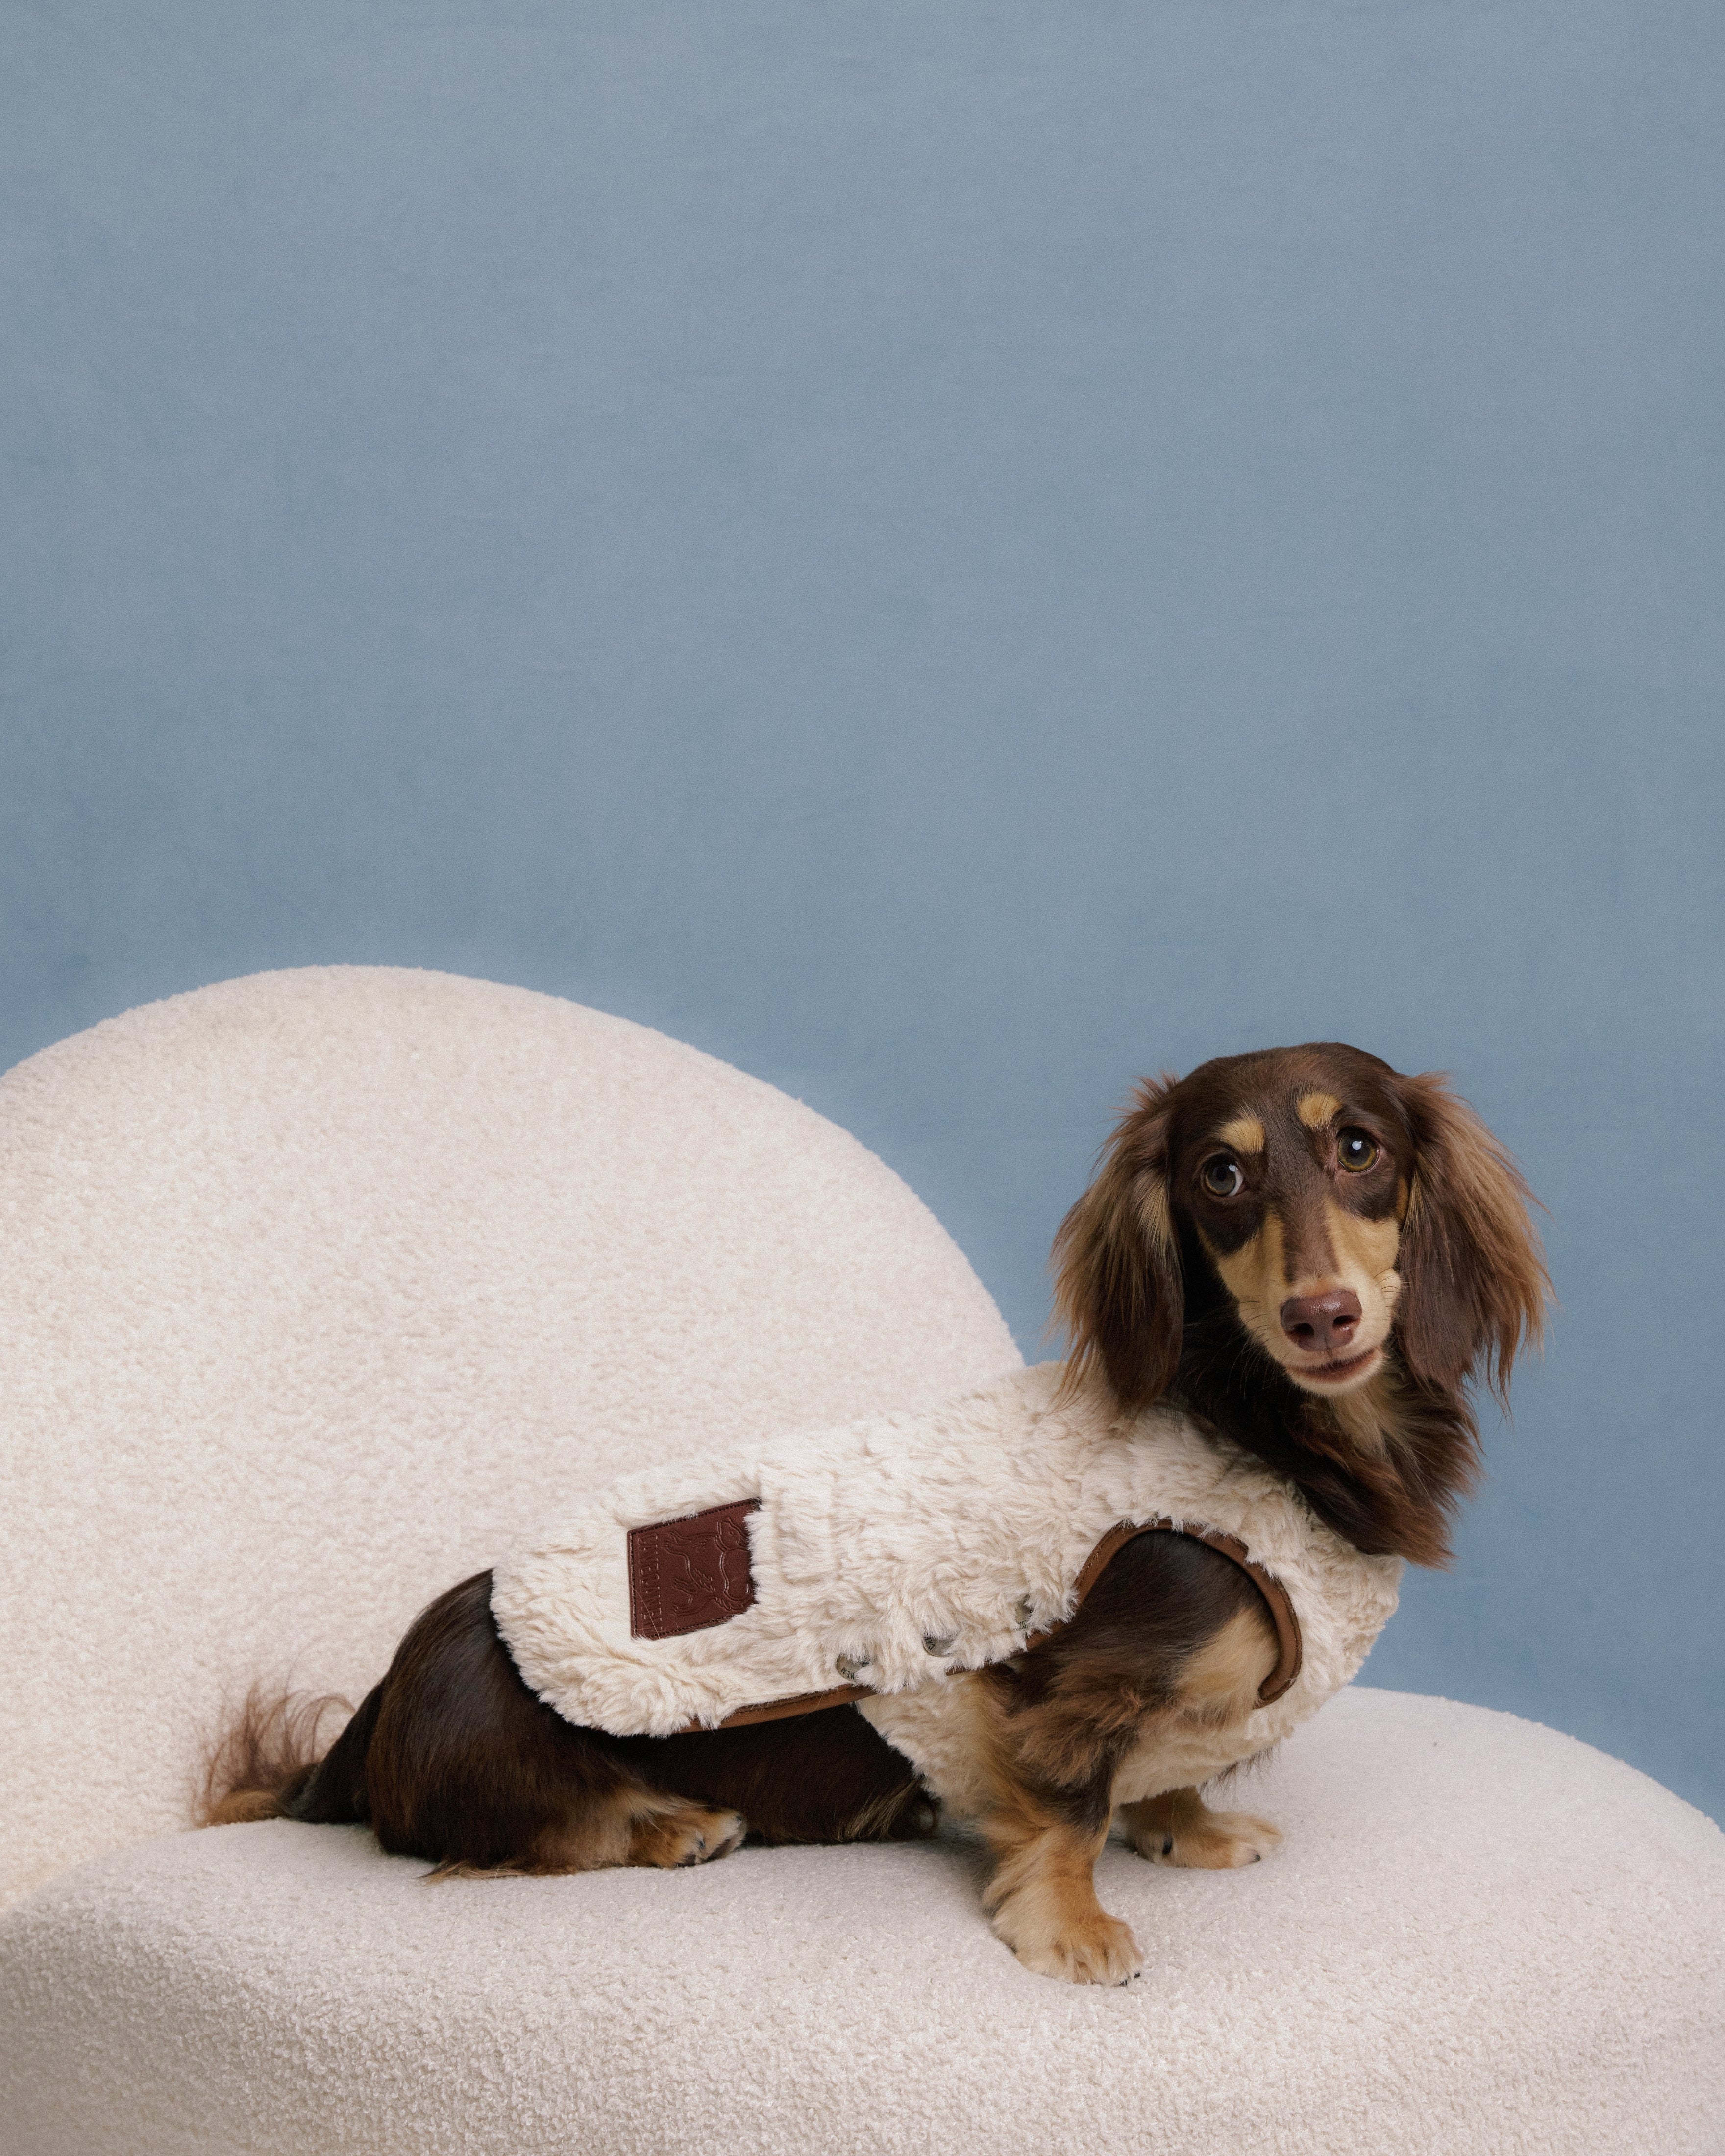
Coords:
1309,1253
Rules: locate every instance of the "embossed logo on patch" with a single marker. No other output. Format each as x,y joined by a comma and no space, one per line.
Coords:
685,1575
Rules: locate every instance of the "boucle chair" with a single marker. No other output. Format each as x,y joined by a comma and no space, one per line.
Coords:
316,1287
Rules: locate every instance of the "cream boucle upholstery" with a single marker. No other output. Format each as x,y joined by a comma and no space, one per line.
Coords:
317,1288
1479,1939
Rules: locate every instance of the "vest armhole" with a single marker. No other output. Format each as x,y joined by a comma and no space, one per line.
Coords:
1289,1646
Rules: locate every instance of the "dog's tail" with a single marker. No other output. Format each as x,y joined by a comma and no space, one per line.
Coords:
268,1761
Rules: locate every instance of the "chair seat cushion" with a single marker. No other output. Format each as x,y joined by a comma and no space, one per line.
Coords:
1477,1936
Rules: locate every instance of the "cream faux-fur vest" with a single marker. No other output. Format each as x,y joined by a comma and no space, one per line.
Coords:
875,1561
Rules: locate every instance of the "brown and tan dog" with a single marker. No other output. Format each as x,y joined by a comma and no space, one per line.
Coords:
1310,1253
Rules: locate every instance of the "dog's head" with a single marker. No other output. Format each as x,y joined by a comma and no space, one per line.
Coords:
1350,1213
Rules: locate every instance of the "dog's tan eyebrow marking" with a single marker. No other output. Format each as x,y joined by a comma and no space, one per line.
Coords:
1315,1109
1244,1133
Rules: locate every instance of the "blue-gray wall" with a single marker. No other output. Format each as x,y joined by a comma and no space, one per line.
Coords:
950,554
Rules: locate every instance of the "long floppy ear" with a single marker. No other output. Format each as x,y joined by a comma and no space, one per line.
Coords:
1475,1289
1116,1262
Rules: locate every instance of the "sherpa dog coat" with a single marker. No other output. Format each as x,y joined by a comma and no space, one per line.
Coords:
874,1562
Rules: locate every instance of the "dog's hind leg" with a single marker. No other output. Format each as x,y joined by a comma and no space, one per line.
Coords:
627,1825
822,1777
467,1766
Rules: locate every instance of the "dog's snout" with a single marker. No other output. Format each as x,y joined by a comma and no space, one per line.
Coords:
1321,1324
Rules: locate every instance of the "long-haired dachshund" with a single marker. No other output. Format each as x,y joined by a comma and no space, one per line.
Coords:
1311,1253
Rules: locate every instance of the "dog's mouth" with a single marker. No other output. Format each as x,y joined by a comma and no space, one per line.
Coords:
1336,1376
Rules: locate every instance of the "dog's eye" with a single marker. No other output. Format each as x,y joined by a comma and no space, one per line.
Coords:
1355,1150
1221,1177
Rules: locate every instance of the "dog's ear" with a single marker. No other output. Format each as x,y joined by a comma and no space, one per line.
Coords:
1116,1262
1475,1289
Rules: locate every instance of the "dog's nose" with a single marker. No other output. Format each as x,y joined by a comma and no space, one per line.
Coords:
1322,1324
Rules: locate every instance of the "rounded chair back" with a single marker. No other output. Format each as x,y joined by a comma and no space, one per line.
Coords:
316,1287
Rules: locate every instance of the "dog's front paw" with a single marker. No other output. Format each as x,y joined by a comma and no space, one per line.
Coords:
1096,1948
1210,1841
685,1834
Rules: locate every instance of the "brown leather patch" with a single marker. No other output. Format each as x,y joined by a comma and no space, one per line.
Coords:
686,1575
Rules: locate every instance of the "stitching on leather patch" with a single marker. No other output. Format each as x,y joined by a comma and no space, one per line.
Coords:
687,1575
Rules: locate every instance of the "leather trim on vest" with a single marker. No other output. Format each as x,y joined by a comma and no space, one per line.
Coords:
1289,1648
781,1710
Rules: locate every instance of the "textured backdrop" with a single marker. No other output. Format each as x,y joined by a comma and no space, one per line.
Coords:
950,555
